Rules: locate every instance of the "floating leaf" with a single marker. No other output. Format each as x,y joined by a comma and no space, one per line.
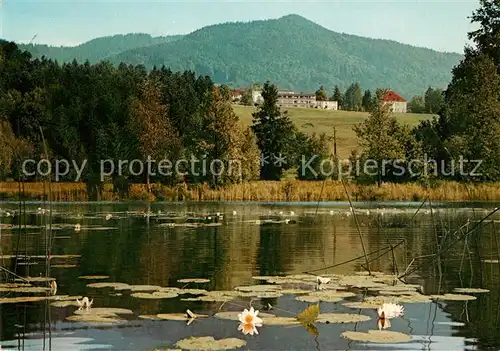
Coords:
309,315
27,290
258,288
314,299
94,319
190,291
233,315
155,295
471,290
377,336
93,277
178,316
104,311
194,280
139,288
21,299
63,266
279,320
453,297
342,318
65,303
117,286
36,279
209,343
152,317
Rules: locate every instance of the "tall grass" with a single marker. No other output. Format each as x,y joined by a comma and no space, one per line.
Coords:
293,190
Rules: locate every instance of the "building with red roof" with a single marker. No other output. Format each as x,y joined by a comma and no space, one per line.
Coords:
396,101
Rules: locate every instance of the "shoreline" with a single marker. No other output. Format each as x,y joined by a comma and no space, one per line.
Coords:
263,191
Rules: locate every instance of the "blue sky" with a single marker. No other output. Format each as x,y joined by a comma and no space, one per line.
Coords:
440,25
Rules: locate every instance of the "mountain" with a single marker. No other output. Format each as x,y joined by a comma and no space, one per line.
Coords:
290,51
97,49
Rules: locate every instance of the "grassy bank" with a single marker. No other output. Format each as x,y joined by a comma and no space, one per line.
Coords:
266,191
310,120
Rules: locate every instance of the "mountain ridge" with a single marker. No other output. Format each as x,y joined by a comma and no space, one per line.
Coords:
295,53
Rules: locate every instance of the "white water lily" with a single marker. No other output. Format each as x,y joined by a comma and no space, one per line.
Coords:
322,280
109,216
383,323
248,328
78,227
85,303
53,287
390,310
250,317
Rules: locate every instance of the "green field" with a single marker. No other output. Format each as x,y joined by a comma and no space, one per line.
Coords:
322,121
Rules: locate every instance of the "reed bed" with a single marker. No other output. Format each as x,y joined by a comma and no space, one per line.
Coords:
303,191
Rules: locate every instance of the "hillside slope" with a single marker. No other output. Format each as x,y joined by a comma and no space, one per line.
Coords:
298,54
96,49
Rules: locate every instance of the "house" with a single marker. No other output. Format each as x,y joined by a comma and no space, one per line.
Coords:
257,97
396,101
327,105
237,94
292,99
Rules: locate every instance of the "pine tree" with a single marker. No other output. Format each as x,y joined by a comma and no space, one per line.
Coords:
337,96
274,131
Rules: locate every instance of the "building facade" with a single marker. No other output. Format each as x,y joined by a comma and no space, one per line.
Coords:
292,99
397,103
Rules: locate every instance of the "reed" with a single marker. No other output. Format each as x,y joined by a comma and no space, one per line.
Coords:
293,190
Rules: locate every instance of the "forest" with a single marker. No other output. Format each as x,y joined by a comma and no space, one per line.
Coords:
239,54
94,112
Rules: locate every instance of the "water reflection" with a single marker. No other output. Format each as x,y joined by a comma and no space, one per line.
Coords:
135,247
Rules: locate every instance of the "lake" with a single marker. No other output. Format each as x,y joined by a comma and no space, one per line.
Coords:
158,244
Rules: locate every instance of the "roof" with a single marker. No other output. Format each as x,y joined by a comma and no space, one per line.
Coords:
393,96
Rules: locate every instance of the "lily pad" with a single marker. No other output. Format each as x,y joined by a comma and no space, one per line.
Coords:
377,336
104,311
93,277
453,297
233,315
63,266
26,290
178,316
140,288
317,298
117,286
36,279
152,317
94,319
194,280
261,294
471,290
155,295
279,321
294,291
210,344
342,318
190,291
21,299
258,288
65,303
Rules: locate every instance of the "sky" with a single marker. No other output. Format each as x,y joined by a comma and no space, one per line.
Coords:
439,25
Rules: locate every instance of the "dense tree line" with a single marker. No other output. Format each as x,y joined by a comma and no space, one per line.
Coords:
463,142
238,54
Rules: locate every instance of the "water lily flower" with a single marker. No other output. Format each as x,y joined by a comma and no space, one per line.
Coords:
250,317
383,323
85,303
390,310
248,328
78,227
109,216
53,287
321,280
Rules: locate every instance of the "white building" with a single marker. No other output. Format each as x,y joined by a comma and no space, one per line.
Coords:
328,105
257,97
397,102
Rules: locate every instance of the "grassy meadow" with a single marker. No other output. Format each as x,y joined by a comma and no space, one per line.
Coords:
310,120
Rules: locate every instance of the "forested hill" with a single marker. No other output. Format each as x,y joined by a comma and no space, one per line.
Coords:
296,54
96,49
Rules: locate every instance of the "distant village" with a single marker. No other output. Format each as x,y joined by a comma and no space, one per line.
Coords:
288,98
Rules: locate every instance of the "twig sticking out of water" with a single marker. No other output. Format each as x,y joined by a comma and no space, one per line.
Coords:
357,226
460,238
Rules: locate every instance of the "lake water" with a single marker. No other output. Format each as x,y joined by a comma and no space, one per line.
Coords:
135,248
